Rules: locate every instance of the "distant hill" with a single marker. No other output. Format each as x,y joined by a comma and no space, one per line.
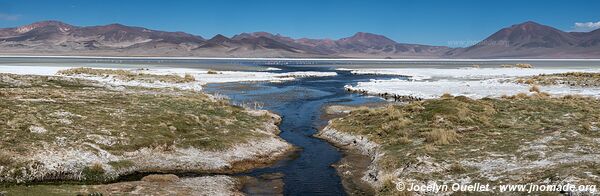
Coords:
533,40
526,40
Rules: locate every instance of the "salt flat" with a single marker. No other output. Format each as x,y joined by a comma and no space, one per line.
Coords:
471,82
202,76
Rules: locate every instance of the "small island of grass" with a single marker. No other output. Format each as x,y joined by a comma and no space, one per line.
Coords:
580,79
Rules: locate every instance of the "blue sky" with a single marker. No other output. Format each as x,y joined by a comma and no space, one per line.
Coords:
425,21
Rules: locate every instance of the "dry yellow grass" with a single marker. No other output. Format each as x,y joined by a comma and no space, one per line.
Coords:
582,79
188,78
128,75
518,65
535,89
441,136
524,65
212,72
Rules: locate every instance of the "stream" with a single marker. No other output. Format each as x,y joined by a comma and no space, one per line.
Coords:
299,103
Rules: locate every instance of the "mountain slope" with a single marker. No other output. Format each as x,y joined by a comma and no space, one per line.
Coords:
532,40
367,44
525,40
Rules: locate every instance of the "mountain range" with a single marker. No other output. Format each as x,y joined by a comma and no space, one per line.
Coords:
525,40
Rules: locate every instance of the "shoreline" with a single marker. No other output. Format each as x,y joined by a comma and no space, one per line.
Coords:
293,59
367,175
357,168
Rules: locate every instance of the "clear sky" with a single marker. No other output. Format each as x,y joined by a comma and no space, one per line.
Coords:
409,21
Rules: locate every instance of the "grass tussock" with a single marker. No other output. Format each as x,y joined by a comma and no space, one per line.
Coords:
534,89
128,75
523,65
6,160
441,136
94,173
212,72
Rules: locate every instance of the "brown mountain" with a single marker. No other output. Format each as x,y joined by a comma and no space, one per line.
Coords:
46,30
360,44
526,40
246,45
54,37
367,40
285,40
117,33
590,39
57,38
533,40
368,44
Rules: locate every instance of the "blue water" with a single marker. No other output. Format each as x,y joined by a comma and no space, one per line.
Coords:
299,102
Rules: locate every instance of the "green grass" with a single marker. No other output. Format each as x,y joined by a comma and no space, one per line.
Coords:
94,173
133,118
76,113
455,129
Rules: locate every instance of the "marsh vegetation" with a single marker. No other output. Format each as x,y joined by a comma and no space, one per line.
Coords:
60,128
514,139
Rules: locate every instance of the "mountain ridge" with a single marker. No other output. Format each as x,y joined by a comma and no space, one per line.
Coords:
524,40
531,39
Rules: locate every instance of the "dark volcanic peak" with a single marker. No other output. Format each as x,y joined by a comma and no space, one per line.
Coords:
367,39
219,39
262,34
276,37
242,36
530,39
266,43
531,35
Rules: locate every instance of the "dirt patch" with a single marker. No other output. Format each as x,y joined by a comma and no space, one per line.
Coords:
266,184
351,169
